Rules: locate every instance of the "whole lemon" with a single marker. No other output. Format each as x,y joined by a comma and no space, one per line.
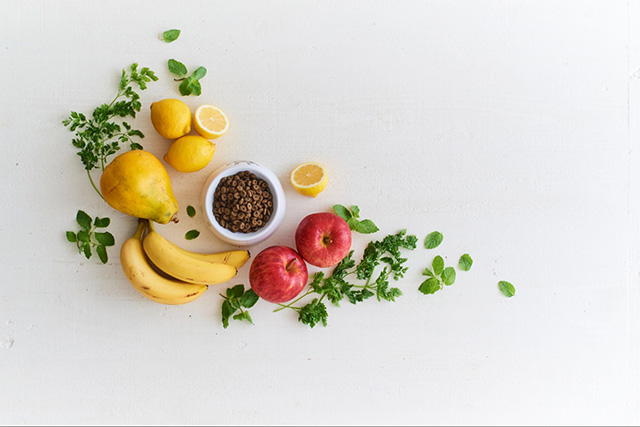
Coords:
190,153
171,118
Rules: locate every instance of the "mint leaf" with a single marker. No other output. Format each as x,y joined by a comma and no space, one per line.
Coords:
170,35
83,236
185,88
355,211
430,286
84,220
366,226
105,238
507,289
465,262
191,211
433,240
101,222
427,272
342,212
199,73
449,276
438,265
191,234
227,311
236,291
101,250
87,250
177,68
249,299
353,223
71,237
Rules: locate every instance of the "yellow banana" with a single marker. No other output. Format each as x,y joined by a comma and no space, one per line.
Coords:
149,283
236,258
175,262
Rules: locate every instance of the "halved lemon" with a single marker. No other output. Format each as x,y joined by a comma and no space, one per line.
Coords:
309,179
210,121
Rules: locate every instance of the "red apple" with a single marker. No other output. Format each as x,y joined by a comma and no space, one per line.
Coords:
323,239
278,274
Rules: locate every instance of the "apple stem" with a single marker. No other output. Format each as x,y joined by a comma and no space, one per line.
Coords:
327,240
291,264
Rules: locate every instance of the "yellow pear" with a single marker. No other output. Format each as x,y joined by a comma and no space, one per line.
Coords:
136,183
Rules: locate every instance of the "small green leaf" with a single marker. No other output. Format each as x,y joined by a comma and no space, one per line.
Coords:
366,226
249,299
465,262
71,236
430,286
177,67
342,212
170,35
136,146
84,220
191,234
102,253
83,236
227,311
196,89
87,250
237,291
353,223
507,289
105,238
199,73
438,265
184,88
355,211
449,276
191,211
101,222
433,240
244,315
427,272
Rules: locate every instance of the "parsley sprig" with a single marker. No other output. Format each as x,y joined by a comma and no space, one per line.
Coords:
100,135
335,288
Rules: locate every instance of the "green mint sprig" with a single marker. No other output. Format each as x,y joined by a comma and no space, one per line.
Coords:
236,299
88,238
365,226
170,35
439,277
336,287
190,85
99,136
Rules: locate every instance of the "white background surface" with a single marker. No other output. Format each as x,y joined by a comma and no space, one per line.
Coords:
511,127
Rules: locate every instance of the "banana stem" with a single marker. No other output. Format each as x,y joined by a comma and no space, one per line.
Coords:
142,224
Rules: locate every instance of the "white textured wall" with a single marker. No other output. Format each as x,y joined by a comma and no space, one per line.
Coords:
511,127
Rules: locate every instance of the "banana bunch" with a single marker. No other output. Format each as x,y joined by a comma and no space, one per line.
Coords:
168,274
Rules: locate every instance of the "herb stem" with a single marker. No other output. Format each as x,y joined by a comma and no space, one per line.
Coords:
283,306
93,184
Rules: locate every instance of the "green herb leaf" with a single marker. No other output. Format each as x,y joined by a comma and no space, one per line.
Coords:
236,291
430,286
433,240
438,265
101,222
84,220
177,68
71,236
342,212
86,248
507,289
449,276
353,223
313,313
199,73
83,236
191,211
105,238
355,211
243,315
227,312
191,234
427,272
101,250
249,299
465,262
170,35
366,226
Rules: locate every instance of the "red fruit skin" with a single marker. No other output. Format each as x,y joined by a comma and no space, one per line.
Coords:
323,239
278,274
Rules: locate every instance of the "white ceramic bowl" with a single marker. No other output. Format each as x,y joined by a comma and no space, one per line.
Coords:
279,204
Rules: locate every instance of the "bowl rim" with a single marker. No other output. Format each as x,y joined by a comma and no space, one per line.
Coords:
279,204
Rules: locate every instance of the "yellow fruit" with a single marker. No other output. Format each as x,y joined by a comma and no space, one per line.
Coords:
190,153
210,121
137,184
309,179
171,118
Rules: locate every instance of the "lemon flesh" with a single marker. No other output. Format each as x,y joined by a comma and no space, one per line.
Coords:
171,118
309,179
210,121
190,153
